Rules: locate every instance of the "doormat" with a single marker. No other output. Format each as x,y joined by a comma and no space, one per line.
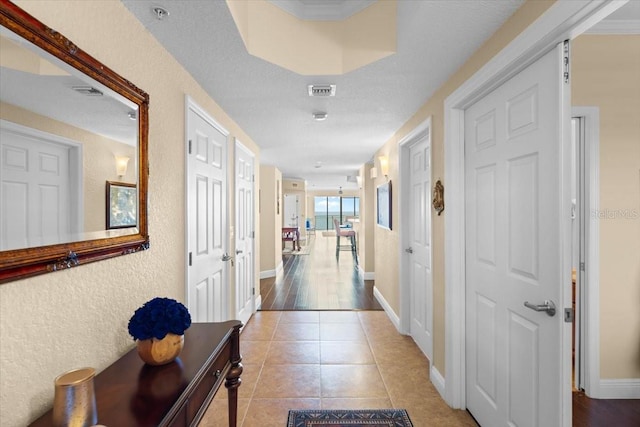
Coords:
349,418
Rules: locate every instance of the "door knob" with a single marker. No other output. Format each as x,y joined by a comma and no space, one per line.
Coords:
226,257
548,306
238,251
409,250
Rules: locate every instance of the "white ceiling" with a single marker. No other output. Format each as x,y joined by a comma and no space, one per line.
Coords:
271,103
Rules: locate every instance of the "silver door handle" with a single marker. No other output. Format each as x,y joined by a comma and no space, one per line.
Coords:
548,306
409,250
226,257
238,251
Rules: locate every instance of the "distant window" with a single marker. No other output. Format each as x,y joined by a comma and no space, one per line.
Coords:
329,207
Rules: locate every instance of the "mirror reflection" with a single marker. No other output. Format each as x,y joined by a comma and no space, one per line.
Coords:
68,152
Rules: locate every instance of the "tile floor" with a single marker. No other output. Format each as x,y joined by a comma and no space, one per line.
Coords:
330,359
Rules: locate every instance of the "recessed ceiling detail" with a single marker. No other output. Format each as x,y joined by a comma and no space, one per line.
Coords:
322,10
316,47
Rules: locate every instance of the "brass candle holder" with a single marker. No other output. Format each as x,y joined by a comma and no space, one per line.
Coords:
74,401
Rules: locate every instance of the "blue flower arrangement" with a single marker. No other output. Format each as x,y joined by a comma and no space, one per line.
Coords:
157,318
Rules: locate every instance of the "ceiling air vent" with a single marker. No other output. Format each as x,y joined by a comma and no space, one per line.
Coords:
322,90
87,90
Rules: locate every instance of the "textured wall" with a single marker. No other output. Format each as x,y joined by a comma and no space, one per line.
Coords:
60,321
606,72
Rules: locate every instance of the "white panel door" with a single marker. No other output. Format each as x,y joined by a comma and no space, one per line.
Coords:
35,204
421,275
245,276
207,278
291,211
513,182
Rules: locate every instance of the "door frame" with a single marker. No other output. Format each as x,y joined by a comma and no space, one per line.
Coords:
255,299
588,303
405,144
563,20
191,104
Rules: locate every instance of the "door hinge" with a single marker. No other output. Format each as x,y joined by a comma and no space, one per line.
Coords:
582,266
189,146
565,61
253,235
253,291
568,315
253,178
190,259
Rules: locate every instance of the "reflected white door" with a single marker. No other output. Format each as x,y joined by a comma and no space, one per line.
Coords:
245,277
36,203
421,275
207,283
513,155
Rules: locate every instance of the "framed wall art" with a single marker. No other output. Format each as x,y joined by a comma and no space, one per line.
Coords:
383,197
122,205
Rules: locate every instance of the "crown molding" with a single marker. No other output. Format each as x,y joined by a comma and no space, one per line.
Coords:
322,10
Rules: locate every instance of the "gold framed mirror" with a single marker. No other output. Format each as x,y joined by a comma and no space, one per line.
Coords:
67,123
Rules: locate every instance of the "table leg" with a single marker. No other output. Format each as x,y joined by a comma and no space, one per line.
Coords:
233,377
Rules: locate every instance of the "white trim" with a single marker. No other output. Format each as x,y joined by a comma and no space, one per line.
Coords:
420,132
387,308
267,274
437,380
616,27
279,267
561,21
591,327
625,388
257,303
366,275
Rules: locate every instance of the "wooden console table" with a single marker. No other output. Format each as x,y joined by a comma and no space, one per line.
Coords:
130,393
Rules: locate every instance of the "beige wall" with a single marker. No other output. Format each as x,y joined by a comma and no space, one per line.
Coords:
270,220
386,242
78,317
606,74
98,159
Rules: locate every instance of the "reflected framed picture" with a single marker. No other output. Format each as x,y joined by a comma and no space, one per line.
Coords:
383,196
122,205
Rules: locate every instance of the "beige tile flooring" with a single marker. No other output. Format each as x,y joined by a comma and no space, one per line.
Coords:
330,359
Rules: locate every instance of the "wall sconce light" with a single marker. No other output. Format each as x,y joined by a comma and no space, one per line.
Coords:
384,166
359,181
121,165
373,173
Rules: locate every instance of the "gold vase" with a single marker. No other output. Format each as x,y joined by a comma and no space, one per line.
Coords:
74,401
160,352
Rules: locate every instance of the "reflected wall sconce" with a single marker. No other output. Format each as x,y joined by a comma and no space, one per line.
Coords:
122,162
438,197
359,181
373,173
384,166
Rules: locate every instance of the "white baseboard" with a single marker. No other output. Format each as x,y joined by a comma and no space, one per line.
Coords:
267,273
366,275
257,302
437,380
387,308
626,388
271,273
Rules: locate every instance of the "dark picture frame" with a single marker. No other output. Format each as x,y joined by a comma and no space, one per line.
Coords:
383,197
122,205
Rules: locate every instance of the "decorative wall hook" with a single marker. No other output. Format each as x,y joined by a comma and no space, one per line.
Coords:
438,197
70,260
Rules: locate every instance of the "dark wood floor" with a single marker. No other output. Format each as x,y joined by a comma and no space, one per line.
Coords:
318,281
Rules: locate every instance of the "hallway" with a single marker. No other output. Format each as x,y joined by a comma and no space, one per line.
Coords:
318,281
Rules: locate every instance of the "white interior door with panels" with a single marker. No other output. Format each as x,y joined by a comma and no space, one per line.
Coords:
417,238
40,188
245,277
514,181
207,258
291,210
